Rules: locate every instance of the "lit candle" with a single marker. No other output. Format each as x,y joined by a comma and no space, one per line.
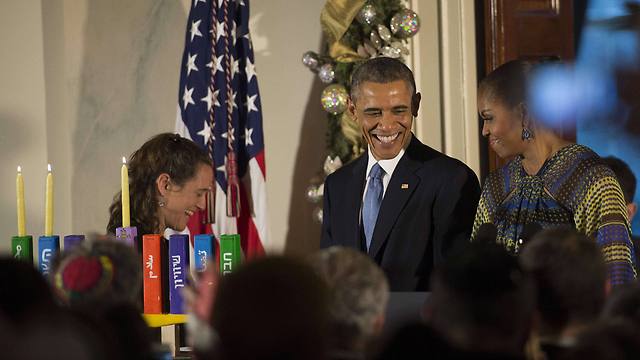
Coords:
124,184
48,204
22,231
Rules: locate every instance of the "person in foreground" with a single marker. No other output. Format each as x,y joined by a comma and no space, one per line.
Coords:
270,308
570,276
482,303
359,295
403,203
550,181
168,179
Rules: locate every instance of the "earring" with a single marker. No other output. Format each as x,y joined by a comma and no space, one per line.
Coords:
161,203
527,134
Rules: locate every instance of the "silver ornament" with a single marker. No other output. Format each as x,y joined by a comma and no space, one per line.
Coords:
367,15
331,165
334,99
400,47
384,33
391,52
317,215
326,73
370,48
405,23
375,40
312,194
310,60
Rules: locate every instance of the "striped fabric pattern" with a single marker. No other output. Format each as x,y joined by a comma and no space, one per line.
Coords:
573,188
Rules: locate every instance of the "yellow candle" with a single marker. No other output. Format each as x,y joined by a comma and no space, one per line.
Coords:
22,230
124,184
48,204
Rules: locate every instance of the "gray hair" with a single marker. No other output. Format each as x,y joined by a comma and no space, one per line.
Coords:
359,290
381,70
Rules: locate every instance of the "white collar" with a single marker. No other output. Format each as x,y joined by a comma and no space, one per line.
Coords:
388,165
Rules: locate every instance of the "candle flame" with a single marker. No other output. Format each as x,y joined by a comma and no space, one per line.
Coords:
49,167
124,160
19,168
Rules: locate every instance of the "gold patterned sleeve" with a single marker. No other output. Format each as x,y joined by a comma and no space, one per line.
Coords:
601,213
482,213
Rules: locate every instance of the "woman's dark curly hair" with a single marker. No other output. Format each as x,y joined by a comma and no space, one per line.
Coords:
164,153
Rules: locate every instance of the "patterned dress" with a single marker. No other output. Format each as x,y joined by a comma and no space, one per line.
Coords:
572,188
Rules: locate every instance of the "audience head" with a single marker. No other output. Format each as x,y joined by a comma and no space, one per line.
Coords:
383,101
63,334
24,292
359,292
627,181
607,340
570,275
271,308
624,303
98,274
482,301
168,179
417,341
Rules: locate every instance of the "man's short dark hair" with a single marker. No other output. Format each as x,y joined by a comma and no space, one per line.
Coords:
381,70
482,300
570,274
625,176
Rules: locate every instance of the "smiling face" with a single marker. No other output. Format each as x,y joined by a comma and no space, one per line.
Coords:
385,114
183,201
502,126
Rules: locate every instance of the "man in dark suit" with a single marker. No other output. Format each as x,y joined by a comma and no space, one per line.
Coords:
403,203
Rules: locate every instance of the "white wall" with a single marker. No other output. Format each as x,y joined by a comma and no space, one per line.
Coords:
294,122
23,126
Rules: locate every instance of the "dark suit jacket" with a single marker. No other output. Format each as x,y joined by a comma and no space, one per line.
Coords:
427,209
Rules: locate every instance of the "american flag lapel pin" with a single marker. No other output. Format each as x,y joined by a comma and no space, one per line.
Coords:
404,186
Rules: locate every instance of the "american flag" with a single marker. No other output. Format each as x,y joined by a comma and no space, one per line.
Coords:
219,108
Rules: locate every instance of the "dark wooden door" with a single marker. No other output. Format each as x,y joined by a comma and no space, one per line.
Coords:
526,29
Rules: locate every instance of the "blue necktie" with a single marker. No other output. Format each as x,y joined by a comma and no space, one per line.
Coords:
372,201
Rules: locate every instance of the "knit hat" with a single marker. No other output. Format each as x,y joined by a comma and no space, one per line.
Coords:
83,276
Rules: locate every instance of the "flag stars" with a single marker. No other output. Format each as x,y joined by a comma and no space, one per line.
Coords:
235,66
223,168
248,37
187,97
250,69
247,137
219,30
195,3
206,133
233,99
191,63
217,63
211,98
229,133
195,31
234,33
251,103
